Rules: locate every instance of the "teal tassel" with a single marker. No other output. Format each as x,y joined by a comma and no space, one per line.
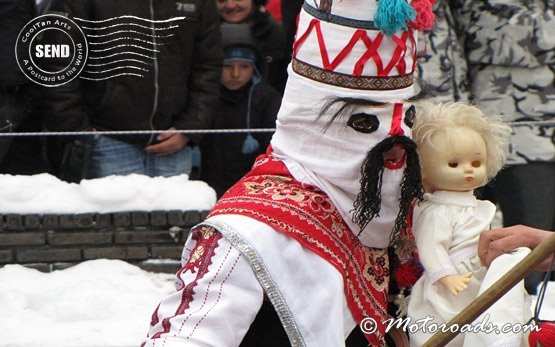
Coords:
393,15
250,145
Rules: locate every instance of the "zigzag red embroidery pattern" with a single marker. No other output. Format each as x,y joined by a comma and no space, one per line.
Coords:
372,53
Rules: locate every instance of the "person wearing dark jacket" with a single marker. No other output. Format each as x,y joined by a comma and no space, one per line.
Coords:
161,74
269,35
289,12
16,97
246,102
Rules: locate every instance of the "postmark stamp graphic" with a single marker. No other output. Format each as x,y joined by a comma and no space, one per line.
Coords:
51,50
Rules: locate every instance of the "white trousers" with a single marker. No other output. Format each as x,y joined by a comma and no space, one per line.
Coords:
224,303
252,258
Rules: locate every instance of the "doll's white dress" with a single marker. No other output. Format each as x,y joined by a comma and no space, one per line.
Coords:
447,226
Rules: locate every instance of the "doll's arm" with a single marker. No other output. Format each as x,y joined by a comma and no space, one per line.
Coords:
433,232
455,283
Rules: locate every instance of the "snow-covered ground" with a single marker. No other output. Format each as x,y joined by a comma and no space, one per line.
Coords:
98,303
45,193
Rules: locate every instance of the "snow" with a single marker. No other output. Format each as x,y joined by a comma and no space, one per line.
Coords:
97,303
44,193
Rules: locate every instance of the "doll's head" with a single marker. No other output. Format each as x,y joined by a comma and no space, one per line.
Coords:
459,147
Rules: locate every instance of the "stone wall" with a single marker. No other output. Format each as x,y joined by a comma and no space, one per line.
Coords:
150,240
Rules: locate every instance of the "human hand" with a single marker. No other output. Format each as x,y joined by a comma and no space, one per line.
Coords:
494,242
169,143
455,283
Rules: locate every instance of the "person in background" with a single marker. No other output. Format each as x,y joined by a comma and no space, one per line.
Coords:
246,102
501,55
442,68
173,87
18,96
268,33
289,12
499,241
274,8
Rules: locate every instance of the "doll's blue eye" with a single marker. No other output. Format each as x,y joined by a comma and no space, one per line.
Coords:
364,122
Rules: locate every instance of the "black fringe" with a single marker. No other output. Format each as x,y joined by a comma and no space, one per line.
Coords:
368,203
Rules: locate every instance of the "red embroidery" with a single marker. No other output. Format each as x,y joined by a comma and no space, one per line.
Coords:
372,50
269,194
200,259
218,299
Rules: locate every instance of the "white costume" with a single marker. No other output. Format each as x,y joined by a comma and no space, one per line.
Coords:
286,229
446,228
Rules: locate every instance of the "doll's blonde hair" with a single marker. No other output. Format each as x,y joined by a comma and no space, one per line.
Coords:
439,118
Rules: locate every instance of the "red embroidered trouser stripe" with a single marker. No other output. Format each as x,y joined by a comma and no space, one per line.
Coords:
204,309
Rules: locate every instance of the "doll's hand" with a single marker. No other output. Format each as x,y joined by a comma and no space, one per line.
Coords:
455,283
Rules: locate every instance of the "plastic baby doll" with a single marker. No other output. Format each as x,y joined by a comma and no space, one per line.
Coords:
460,149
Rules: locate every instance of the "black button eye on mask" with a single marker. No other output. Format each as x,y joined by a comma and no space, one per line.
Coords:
410,116
364,122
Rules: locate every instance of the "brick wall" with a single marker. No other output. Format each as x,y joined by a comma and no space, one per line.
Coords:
151,240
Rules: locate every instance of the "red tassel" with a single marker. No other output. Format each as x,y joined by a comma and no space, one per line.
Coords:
545,337
407,274
424,15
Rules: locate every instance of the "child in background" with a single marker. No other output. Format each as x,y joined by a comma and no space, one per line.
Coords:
246,102
460,149
266,31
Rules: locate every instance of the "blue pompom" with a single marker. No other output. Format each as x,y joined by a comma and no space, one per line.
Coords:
393,15
250,145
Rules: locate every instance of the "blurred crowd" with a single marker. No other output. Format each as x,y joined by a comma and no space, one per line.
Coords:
208,65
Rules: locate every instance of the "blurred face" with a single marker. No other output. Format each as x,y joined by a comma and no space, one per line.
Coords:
237,73
455,163
235,11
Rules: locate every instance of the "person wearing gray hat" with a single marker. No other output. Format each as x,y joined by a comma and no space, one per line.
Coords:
267,32
246,102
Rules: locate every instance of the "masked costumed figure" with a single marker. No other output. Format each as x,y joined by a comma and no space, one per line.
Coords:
313,224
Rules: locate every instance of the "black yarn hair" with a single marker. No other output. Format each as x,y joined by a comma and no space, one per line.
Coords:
368,203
